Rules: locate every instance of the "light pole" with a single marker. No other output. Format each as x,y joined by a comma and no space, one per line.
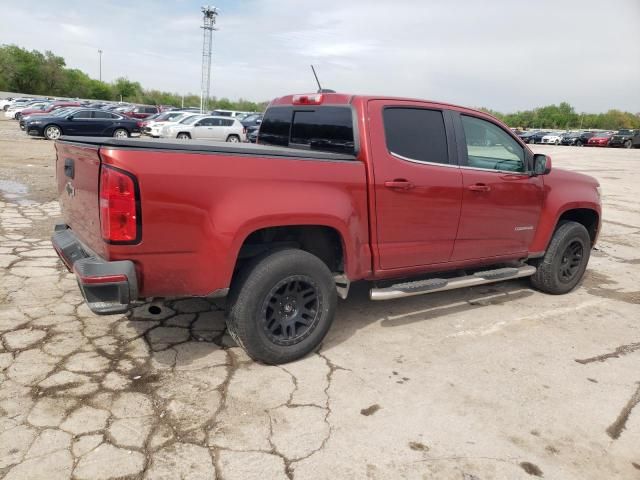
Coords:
100,62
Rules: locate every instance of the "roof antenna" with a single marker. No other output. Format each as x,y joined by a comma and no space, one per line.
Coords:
320,89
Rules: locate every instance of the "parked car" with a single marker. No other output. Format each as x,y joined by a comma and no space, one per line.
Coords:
83,122
14,110
535,137
230,113
623,138
186,119
577,139
54,113
600,139
253,120
5,102
222,129
283,227
252,134
552,138
154,127
140,111
48,109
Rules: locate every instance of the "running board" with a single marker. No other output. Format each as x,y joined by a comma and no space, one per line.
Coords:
432,285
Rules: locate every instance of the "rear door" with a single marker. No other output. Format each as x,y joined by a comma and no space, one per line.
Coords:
103,122
501,202
418,184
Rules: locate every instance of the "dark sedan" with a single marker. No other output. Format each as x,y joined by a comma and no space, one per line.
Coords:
533,137
577,139
92,123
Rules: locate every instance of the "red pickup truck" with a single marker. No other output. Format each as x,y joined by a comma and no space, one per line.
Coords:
413,196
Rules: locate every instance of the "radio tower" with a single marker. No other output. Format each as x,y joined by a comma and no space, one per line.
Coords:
208,26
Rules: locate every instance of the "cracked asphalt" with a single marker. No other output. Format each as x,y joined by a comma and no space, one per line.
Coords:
498,381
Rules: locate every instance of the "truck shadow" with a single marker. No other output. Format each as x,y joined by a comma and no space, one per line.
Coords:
197,325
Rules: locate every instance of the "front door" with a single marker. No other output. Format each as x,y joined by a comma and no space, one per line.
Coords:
417,183
501,202
80,124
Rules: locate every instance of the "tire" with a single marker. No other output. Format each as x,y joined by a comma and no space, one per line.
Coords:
628,144
233,139
16,115
183,136
120,133
282,279
557,142
579,143
565,261
52,132
532,141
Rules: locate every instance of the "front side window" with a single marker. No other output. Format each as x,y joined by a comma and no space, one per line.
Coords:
83,114
416,134
491,148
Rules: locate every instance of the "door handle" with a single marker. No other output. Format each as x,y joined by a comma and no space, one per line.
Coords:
479,187
399,184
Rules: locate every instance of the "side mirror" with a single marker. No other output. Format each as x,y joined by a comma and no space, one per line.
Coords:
69,117
541,164
258,122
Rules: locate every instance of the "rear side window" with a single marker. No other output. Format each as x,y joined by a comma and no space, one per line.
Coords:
326,128
416,134
227,123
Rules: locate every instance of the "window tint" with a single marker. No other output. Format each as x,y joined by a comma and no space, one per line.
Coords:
325,128
151,110
275,126
82,114
102,115
206,122
227,123
416,134
490,147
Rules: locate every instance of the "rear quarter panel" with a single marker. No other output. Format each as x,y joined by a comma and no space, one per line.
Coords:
198,208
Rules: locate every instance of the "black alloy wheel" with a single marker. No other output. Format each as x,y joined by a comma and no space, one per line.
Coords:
571,261
290,312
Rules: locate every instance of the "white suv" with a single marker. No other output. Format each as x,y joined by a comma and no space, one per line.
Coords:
223,129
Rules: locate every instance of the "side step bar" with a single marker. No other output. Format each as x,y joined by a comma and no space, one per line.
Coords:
420,287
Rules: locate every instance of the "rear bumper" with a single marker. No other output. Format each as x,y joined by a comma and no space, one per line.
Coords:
107,287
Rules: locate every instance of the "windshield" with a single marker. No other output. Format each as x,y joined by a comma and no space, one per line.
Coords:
191,120
625,132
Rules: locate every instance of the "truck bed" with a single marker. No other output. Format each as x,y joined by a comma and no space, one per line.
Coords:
203,146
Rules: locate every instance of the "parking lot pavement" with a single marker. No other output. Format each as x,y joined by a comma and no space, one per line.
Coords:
498,381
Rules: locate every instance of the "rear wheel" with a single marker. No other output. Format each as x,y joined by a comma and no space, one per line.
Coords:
579,143
565,261
628,144
281,306
52,132
120,133
233,139
183,136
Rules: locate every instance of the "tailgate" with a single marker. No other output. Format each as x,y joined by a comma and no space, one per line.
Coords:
77,174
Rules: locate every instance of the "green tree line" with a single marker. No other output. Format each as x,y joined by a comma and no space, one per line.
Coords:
564,116
36,73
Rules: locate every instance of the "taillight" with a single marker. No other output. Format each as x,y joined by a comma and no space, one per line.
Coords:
312,99
141,124
119,206
244,130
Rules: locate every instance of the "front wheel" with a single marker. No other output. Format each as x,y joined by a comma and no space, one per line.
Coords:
565,261
579,143
52,132
233,139
281,306
120,133
628,144
183,136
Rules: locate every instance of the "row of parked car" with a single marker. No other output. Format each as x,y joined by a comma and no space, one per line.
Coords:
52,118
625,138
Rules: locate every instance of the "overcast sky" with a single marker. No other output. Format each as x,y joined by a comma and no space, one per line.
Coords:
501,54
